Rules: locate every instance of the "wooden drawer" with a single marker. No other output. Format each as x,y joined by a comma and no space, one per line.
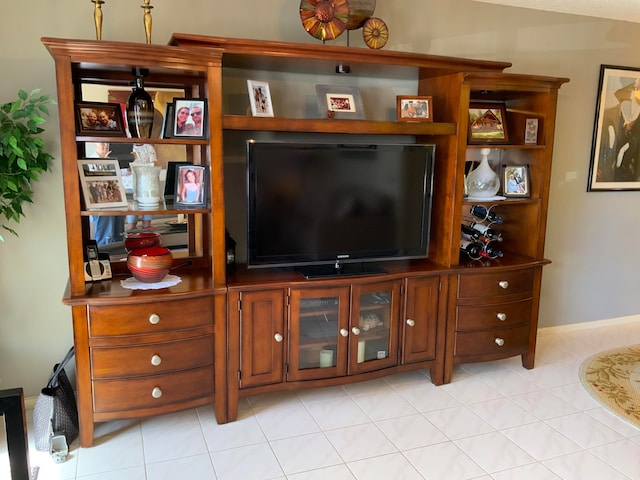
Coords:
138,393
151,359
484,285
484,342
500,315
145,318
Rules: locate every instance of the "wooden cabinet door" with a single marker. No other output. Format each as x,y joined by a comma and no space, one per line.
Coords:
373,334
262,338
318,333
420,320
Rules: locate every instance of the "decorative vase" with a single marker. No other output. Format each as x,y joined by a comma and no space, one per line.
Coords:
140,109
483,182
147,184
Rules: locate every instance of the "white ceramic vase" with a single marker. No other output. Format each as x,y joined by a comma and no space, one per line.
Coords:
483,182
147,184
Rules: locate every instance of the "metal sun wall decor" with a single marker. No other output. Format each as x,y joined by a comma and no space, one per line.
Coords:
146,18
328,19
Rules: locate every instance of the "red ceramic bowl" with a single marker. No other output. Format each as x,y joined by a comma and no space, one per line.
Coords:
149,265
133,241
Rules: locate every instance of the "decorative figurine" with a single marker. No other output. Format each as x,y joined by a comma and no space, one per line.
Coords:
97,17
147,19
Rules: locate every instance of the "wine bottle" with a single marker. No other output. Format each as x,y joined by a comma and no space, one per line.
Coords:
492,252
471,233
490,233
484,213
474,250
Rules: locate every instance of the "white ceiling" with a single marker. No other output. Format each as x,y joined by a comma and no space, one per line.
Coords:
628,10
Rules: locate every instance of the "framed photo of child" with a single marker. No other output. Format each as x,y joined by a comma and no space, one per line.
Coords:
191,185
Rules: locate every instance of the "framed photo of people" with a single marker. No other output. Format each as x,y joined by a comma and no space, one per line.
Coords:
615,149
260,98
414,109
189,118
99,119
515,181
341,102
191,185
102,184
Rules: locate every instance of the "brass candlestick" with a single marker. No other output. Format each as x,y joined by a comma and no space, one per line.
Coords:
147,19
97,17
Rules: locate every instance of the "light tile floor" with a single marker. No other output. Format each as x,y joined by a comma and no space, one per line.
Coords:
496,420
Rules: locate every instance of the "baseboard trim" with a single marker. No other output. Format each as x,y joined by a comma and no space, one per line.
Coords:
607,322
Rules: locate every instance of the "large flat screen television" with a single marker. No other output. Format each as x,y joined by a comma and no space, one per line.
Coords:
331,209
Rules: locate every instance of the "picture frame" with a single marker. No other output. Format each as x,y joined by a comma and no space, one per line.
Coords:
487,123
515,181
99,119
167,121
260,98
191,185
531,131
102,184
340,102
170,179
414,108
615,155
194,124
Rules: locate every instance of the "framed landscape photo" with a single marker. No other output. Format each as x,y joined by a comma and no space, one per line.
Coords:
191,185
340,102
189,118
260,98
99,119
515,181
487,123
414,109
615,149
102,184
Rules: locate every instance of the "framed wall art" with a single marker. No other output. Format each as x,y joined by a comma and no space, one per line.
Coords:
189,118
531,131
191,185
515,181
615,150
414,109
340,102
487,123
260,98
102,184
99,119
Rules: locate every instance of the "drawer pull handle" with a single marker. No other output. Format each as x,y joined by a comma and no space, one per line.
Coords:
278,337
411,322
156,360
156,392
501,316
355,330
154,319
344,332
500,341
503,284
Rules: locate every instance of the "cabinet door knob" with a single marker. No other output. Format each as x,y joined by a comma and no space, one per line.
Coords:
278,337
355,330
156,360
503,284
411,322
154,319
501,316
344,332
500,341
156,392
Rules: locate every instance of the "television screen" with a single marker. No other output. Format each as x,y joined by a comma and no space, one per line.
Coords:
335,204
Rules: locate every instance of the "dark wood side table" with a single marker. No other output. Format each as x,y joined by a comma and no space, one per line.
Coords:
12,407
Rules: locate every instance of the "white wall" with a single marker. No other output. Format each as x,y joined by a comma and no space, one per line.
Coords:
590,238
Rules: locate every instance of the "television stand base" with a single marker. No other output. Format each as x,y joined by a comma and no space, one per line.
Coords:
311,272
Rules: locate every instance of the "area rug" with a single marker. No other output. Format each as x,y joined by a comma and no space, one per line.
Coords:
612,378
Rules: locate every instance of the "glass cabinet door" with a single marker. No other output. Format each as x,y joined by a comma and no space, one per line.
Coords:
318,333
374,326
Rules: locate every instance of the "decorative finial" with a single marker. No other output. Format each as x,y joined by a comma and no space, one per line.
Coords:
147,19
97,17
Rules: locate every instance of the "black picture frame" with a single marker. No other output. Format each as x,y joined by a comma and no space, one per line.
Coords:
183,192
99,119
170,180
167,121
615,149
189,128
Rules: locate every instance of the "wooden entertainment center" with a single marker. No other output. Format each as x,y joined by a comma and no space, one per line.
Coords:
225,333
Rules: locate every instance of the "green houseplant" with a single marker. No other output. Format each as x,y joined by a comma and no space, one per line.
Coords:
22,153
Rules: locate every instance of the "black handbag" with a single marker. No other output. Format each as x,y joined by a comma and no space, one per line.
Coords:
56,411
